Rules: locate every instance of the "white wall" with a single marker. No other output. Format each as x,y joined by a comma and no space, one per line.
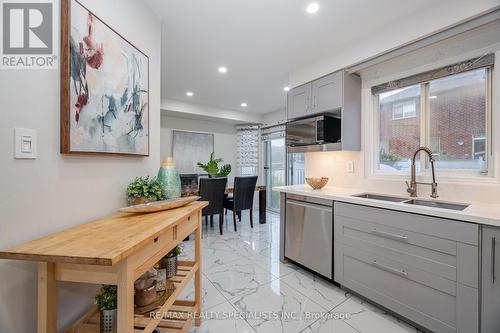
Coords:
440,16
224,137
198,110
275,117
466,46
54,192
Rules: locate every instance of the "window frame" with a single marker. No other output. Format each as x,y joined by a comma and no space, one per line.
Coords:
424,168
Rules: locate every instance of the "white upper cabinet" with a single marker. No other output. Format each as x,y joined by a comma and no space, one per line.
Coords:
299,101
327,93
335,91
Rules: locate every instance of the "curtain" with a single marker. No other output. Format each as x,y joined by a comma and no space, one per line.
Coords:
248,149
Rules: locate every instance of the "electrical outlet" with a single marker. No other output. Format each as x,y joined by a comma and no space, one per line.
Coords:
349,166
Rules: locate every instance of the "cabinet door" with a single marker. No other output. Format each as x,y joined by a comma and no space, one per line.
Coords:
327,93
490,312
299,101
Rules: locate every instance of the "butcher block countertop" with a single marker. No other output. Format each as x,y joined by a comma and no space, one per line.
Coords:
105,241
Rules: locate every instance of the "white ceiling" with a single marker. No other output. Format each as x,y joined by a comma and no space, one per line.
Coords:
262,41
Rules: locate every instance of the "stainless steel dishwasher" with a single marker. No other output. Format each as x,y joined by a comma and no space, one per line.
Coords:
309,233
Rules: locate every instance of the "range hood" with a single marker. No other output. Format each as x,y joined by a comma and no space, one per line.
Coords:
315,148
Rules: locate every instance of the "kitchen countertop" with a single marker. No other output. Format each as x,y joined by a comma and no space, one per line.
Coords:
482,213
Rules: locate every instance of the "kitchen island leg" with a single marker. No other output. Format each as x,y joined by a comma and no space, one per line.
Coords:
47,298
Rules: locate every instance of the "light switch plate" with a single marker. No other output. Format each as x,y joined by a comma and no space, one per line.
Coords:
349,166
25,143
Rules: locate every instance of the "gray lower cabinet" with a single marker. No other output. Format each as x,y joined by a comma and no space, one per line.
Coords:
426,269
490,301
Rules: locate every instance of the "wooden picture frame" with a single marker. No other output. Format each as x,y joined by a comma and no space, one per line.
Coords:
104,101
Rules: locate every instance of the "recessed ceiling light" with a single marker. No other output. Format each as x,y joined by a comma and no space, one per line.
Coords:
287,88
312,8
222,69
433,97
189,94
244,105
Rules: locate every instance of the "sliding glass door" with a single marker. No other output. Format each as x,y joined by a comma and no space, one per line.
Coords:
274,170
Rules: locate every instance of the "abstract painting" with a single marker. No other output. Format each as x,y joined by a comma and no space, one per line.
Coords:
189,148
104,87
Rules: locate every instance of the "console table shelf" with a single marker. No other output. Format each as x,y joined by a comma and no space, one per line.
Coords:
180,312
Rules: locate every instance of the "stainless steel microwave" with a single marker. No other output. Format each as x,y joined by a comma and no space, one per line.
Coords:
319,133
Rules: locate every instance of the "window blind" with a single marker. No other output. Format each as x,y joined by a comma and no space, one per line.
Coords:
464,66
247,149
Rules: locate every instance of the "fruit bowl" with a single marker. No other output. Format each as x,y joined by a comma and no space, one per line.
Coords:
317,183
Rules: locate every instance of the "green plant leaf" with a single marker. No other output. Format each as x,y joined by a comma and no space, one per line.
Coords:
106,298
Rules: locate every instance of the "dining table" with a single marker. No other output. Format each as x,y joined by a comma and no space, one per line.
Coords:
261,189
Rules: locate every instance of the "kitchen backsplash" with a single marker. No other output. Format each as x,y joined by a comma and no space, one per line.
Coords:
334,165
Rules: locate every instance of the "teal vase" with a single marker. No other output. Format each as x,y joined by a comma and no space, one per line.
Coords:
169,176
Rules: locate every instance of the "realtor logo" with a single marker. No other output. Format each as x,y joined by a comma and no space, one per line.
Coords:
28,34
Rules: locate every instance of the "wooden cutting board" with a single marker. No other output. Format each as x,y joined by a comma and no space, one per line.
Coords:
158,206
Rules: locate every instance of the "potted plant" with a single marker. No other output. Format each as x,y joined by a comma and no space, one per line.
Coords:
212,167
169,262
144,189
106,301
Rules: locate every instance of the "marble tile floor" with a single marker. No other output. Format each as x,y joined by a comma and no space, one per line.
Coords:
247,289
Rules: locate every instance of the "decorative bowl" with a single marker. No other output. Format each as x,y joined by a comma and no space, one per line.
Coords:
317,183
157,206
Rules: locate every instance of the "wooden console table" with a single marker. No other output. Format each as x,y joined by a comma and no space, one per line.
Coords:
117,250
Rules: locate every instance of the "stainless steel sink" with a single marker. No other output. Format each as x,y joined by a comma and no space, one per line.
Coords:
436,204
416,202
380,197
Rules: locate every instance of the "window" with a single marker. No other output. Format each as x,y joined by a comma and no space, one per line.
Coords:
398,139
457,113
248,150
479,147
407,109
449,114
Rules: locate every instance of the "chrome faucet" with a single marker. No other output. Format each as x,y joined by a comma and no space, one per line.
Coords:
412,186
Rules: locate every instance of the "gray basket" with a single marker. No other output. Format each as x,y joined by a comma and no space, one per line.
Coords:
108,321
170,265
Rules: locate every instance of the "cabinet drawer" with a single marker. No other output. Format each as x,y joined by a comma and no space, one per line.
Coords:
393,286
188,226
431,254
402,269
441,228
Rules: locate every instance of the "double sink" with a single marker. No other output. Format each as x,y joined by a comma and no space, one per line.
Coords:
416,202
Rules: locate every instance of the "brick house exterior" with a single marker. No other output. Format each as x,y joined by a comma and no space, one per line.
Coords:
457,120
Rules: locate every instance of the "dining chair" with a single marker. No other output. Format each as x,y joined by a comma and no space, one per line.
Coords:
212,190
242,199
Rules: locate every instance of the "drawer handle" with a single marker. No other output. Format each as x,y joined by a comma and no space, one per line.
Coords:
396,271
493,254
402,238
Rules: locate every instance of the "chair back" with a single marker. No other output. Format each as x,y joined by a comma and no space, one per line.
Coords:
244,190
212,190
